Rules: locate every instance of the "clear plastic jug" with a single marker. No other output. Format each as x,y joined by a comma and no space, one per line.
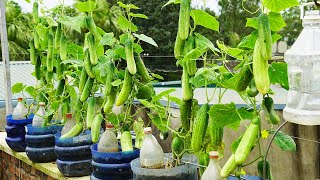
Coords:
303,59
20,111
70,122
108,141
213,170
38,118
151,153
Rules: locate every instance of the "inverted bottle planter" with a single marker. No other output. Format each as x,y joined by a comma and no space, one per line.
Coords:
182,172
112,165
74,154
16,132
40,143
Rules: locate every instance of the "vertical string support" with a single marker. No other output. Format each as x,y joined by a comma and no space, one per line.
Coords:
5,57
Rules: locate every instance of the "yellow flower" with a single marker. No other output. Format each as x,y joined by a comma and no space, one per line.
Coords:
264,134
242,172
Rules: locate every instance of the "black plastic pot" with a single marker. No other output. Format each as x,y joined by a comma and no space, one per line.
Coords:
182,172
16,132
113,165
40,143
74,154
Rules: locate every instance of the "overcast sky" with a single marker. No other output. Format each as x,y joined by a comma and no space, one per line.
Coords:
27,7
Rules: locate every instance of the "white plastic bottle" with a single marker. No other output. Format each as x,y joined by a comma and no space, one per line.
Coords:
108,141
151,153
70,122
38,118
213,170
20,111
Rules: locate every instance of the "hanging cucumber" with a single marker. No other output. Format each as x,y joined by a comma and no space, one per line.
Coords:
95,127
191,64
63,47
57,36
92,49
252,90
203,160
88,65
184,19
50,53
186,86
216,136
35,12
60,88
78,109
141,68
146,92
268,170
126,141
178,47
177,146
244,77
59,67
229,167
131,64
75,131
185,113
110,70
107,108
87,89
264,33
36,39
90,111
37,70
199,128
126,88
83,79
271,115
33,53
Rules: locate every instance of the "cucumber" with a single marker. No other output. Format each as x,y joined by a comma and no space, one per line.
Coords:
177,146
107,108
229,167
63,47
252,90
178,47
75,131
59,67
49,77
141,68
78,111
36,39
191,64
95,128
50,53
216,136
184,19
186,86
83,79
194,110
271,116
264,33
244,77
126,141
185,113
57,36
35,12
92,49
33,54
131,64
60,88
110,70
90,111
126,89
268,170
86,90
37,70
203,160
146,92
200,128
87,64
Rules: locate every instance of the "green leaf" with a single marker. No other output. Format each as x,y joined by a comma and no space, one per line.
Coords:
107,39
175,100
234,52
204,19
124,24
284,141
87,6
72,92
117,82
224,114
31,91
170,2
42,31
252,22
120,51
146,39
51,22
275,37
17,88
75,23
113,118
157,76
75,51
249,41
158,121
246,114
127,6
203,42
193,55
73,61
202,75
279,5
162,94
276,21
235,144
138,15
278,74
137,48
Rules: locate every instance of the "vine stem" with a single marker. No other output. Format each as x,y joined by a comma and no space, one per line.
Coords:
269,145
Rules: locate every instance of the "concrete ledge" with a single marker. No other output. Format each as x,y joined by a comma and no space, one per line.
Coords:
50,169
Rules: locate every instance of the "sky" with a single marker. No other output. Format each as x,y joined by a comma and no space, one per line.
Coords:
27,7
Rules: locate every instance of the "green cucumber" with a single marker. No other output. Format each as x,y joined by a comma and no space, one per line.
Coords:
90,111
126,89
126,141
199,128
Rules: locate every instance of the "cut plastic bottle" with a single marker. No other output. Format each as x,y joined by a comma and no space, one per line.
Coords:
20,111
151,153
70,122
108,141
213,170
38,118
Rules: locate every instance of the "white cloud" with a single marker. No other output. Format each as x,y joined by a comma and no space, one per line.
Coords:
27,7
211,4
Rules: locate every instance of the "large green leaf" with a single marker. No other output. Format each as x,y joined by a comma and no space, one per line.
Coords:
75,51
224,114
107,39
249,41
73,22
279,5
170,2
203,43
278,73
234,52
203,76
42,31
284,141
275,19
204,19
17,88
146,39
127,6
124,24
87,6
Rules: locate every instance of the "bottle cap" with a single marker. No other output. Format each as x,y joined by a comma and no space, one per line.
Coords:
42,103
147,130
109,126
69,115
214,154
20,99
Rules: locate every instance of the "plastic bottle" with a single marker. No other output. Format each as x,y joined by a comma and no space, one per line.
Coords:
108,141
20,111
70,122
213,170
151,153
38,118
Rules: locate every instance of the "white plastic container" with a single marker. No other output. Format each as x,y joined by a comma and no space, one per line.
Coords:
38,118
151,153
70,123
213,170
303,58
20,111
108,141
